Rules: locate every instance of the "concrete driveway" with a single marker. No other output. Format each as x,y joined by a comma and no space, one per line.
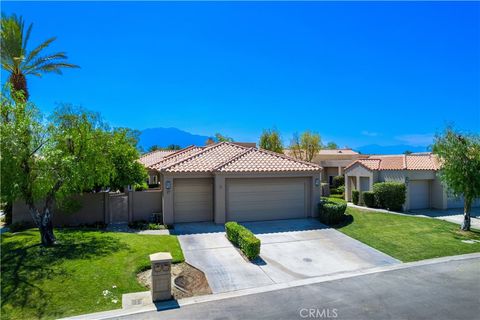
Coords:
291,250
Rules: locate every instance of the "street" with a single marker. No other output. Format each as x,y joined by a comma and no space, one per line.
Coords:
446,290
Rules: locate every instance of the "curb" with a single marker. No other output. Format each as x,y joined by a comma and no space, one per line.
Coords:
172,304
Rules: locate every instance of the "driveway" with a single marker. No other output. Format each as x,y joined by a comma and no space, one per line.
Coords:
452,215
291,250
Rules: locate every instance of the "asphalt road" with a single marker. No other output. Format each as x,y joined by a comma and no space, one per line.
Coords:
447,290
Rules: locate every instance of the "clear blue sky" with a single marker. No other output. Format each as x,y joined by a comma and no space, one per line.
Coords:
357,73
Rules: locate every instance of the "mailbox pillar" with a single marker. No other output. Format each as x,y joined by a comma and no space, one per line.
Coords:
161,276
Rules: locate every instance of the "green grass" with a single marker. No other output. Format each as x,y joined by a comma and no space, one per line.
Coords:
69,279
408,238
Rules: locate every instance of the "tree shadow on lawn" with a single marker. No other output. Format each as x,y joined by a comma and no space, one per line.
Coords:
25,264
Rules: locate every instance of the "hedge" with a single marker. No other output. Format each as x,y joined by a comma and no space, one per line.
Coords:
338,181
369,198
390,195
332,211
355,196
244,239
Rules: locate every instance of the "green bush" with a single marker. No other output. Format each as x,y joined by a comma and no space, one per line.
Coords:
232,229
332,210
334,191
337,196
341,189
369,198
355,196
140,186
243,238
338,181
389,195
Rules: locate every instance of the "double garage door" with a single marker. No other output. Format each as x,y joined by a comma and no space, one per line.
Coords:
246,199
266,199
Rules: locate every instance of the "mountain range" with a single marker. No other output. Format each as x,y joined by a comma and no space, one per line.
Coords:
167,136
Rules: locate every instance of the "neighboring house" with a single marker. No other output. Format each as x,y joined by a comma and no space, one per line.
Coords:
417,171
228,181
333,161
152,158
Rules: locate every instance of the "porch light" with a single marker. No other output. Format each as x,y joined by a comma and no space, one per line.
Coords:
317,182
168,185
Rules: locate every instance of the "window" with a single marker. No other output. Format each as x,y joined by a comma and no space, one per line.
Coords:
330,180
155,179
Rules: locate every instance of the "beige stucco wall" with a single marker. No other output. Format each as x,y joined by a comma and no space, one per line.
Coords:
144,203
91,210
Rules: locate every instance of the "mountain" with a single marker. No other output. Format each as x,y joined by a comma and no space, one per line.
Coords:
166,136
394,149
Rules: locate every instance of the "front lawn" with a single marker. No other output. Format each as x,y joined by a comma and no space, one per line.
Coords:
70,278
409,238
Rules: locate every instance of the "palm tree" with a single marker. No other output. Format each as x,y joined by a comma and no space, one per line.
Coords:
19,61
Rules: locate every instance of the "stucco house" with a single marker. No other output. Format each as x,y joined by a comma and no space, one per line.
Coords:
417,171
333,161
150,158
229,181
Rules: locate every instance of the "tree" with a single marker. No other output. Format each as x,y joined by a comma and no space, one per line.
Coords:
407,152
221,138
270,140
154,148
331,145
173,147
306,146
53,159
459,156
20,62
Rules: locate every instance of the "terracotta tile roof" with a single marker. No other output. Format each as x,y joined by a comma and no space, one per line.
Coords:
177,156
426,161
229,157
259,160
154,157
337,151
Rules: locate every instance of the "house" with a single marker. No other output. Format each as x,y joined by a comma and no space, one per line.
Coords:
333,161
419,172
151,158
231,182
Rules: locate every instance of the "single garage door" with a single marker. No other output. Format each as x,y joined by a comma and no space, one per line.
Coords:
266,199
193,200
419,194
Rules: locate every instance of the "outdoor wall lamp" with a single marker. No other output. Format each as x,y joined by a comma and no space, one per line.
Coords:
168,185
317,182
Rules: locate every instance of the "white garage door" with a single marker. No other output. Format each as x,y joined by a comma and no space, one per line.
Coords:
266,199
419,194
193,200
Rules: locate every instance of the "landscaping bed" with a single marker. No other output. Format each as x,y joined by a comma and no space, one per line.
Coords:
409,238
87,272
187,281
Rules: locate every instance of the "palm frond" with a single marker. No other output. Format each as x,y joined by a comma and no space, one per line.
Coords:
39,48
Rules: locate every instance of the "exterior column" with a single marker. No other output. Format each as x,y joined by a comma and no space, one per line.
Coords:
219,196
167,200
315,194
347,188
339,171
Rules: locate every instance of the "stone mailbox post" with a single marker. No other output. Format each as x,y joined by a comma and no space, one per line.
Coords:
161,276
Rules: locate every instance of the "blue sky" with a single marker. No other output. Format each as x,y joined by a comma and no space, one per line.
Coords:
357,73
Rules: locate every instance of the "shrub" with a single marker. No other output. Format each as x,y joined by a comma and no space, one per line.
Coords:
341,189
334,191
332,210
232,229
337,196
389,195
145,225
140,186
243,238
368,198
355,196
338,181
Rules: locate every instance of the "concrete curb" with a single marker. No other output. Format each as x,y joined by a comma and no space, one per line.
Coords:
172,304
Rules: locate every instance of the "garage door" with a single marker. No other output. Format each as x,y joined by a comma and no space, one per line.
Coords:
193,200
419,194
266,199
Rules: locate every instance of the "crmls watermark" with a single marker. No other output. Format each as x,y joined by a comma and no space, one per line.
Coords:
316,313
